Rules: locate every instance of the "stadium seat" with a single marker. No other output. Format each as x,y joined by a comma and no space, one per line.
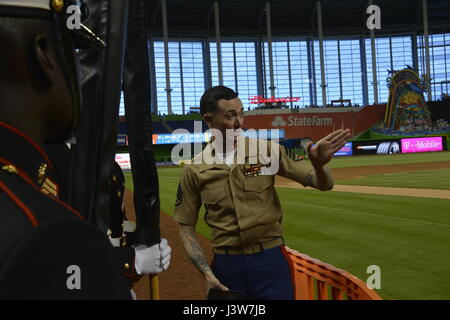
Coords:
315,280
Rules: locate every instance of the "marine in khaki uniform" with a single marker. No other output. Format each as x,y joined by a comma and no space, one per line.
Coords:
242,205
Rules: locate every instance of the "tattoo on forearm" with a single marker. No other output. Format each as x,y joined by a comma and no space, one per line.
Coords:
194,250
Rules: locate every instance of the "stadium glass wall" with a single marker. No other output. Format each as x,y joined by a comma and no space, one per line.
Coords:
245,63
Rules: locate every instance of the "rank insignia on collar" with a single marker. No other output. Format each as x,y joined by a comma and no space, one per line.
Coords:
10,168
42,172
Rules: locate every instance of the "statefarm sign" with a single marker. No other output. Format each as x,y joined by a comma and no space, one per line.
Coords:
302,121
312,124
298,125
260,99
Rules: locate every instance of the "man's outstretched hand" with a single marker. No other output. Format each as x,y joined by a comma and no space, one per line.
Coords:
322,152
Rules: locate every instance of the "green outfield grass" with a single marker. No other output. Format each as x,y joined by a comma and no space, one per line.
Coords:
429,179
407,237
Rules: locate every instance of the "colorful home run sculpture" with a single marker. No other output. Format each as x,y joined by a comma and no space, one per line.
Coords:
406,110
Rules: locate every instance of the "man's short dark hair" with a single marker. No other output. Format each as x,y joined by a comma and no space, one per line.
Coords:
209,100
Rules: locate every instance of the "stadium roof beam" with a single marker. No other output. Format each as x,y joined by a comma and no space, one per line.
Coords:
427,49
322,61
291,17
339,12
374,63
341,90
155,13
269,42
166,56
219,50
234,13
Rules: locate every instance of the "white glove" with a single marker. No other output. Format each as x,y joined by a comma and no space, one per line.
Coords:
154,259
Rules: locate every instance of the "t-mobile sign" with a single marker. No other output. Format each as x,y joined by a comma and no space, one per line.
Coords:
427,144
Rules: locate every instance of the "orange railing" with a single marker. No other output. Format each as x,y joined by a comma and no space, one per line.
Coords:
315,280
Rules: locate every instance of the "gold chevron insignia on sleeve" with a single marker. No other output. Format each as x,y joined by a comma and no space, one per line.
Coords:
179,200
50,188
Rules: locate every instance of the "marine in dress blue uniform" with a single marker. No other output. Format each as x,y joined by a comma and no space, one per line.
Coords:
47,249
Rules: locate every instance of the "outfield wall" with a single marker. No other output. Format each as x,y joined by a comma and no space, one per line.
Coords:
314,124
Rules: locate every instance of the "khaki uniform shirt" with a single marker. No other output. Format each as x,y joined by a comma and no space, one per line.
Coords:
242,205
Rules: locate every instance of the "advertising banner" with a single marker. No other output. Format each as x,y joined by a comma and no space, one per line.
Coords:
204,137
315,123
122,140
376,147
346,150
123,159
180,138
426,144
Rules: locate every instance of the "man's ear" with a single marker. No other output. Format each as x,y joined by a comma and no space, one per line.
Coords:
207,117
43,64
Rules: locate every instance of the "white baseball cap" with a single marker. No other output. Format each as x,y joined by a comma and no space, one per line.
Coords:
82,37
38,4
